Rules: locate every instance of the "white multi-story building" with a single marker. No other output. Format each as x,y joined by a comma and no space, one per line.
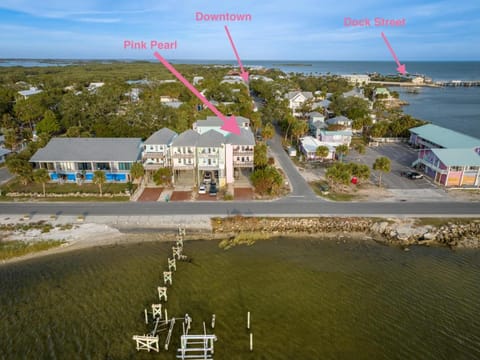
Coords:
296,99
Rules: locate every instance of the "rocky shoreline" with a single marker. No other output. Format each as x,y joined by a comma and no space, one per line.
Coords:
454,233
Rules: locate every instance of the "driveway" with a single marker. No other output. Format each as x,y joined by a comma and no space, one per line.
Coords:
300,188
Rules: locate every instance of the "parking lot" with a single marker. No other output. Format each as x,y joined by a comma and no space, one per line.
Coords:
401,157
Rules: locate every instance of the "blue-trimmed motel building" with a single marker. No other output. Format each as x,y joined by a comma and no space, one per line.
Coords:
76,159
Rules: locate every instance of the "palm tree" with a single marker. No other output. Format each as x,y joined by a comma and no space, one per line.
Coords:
41,176
137,171
341,150
268,131
99,178
381,164
299,128
322,151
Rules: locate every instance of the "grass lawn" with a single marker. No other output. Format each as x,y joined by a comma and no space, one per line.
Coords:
332,194
67,188
12,249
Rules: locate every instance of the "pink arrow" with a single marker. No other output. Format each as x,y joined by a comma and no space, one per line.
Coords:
229,123
243,73
401,68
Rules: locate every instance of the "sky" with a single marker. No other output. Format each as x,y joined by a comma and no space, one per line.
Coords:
279,30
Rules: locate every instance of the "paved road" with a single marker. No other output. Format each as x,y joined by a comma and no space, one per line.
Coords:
300,188
282,207
5,175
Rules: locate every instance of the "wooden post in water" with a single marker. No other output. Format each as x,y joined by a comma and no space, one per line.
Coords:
248,320
251,341
157,310
213,321
167,277
146,316
172,264
166,316
162,293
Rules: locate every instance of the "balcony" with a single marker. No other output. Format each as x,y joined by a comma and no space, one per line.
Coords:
243,164
183,167
183,156
243,150
153,155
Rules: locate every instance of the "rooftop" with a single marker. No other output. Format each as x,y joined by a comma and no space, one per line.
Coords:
30,92
244,138
90,149
444,137
215,121
337,132
290,95
458,157
310,144
339,120
211,138
161,137
186,138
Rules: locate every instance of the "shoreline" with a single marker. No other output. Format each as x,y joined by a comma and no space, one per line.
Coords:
231,231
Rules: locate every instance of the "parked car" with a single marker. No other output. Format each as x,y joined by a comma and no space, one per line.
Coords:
411,175
213,189
202,189
415,175
207,177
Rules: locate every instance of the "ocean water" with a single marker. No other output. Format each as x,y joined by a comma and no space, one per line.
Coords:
310,299
454,108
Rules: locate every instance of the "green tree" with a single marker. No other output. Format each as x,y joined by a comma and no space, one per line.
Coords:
361,171
162,176
382,165
260,159
299,128
322,151
137,171
268,131
99,178
41,176
339,173
12,140
20,166
49,124
267,180
341,151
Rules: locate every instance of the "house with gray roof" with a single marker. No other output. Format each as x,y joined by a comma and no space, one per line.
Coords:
156,150
210,151
32,91
76,159
215,123
183,153
296,99
340,121
239,148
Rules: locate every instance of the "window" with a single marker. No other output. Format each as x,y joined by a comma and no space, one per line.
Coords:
124,166
456,168
473,168
84,166
102,166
